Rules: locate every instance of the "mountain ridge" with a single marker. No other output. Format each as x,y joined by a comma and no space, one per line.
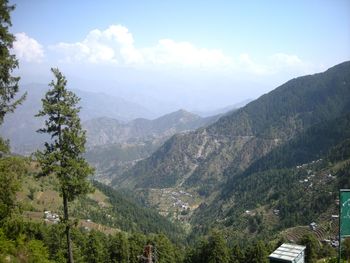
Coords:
115,147
106,130
238,139
20,127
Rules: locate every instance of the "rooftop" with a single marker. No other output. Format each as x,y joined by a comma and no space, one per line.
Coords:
287,252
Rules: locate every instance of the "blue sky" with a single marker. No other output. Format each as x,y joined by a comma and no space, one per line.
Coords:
190,54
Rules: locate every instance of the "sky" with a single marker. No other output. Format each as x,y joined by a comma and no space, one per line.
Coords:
165,55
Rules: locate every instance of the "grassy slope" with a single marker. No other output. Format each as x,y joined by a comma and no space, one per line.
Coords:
104,210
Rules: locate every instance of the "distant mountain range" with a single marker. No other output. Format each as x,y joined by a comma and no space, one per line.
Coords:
114,142
101,131
114,147
20,127
223,110
199,159
246,161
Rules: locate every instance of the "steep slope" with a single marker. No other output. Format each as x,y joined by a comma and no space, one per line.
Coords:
115,147
295,184
20,127
111,160
197,160
105,209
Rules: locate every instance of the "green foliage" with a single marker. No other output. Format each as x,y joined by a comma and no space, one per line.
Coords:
11,171
36,242
257,253
218,251
38,252
8,83
274,180
237,254
95,251
6,246
312,144
340,152
344,177
4,146
212,250
164,249
312,248
346,249
130,216
136,245
197,253
63,155
20,245
119,248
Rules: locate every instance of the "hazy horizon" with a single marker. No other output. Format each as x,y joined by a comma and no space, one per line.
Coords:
167,56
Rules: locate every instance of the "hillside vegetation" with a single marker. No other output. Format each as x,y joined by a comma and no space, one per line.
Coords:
105,206
265,171
231,191
198,160
115,147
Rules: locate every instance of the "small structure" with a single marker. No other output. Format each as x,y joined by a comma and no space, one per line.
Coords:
335,243
289,253
276,212
335,217
51,217
313,226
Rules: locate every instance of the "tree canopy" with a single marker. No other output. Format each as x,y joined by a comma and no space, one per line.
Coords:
8,62
63,154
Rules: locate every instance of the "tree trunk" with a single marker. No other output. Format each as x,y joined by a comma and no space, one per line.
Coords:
66,217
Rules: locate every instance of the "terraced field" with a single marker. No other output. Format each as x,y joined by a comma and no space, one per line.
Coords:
328,231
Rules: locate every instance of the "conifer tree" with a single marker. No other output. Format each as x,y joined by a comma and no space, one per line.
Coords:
257,253
119,248
63,154
11,170
164,250
237,255
8,62
217,249
312,245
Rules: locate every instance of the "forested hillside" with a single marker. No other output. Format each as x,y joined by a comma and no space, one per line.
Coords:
266,170
198,160
243,180
299,180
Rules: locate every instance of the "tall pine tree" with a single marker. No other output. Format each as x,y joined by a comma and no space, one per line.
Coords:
8,62
63,154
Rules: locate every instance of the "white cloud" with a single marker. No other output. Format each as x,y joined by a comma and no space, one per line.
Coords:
274,64
27,48
286,59
288,62
246,63
113,45
170,52
116,45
